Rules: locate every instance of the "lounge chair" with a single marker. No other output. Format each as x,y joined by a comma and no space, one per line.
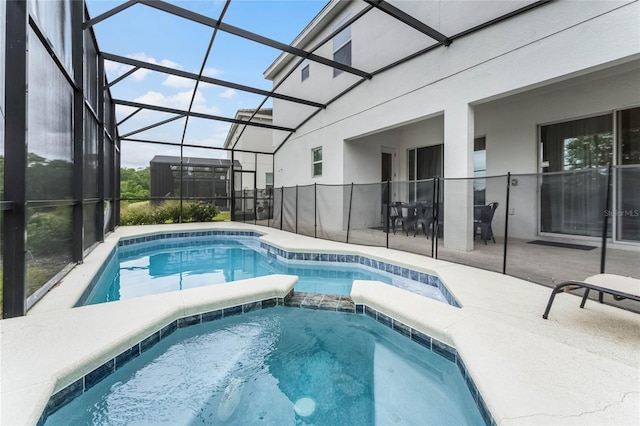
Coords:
618,286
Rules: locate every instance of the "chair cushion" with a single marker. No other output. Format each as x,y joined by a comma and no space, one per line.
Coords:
616,282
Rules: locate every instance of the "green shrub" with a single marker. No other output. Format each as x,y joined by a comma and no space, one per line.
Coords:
137,214
200,211
168,212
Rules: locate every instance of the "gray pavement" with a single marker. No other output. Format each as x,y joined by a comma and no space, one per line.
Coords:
539,264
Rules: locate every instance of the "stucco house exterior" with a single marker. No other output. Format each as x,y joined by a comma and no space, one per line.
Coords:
514,87
252,147
252,139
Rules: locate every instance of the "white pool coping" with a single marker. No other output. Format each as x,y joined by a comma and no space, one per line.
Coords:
581,366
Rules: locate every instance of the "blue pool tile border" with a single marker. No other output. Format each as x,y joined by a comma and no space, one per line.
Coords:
444,350
86,382
275,252
164,236
391,268
188,234
449,353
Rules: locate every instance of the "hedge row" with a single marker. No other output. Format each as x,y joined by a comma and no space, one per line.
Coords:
167,212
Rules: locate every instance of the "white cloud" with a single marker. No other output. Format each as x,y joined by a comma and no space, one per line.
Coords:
110,67
137,155
178,82
186,83
180,100
142,73
203,133
212,72
228,94
146,58
214,141
114,69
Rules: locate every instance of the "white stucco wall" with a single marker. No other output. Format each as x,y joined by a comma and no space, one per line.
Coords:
253,139
560,61
552,43
362,156
510,126
511,129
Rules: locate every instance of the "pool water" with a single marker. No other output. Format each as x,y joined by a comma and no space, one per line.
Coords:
281,366
151,268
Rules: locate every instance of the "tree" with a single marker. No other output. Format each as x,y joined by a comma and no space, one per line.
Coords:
588,151
134,183
48,179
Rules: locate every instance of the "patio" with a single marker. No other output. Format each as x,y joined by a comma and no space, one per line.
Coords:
578,367
540,264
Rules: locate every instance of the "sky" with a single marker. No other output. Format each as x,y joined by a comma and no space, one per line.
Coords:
144,33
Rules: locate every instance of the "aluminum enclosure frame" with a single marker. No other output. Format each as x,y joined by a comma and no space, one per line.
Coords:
19,23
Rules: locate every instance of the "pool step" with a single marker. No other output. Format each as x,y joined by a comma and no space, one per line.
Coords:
327,302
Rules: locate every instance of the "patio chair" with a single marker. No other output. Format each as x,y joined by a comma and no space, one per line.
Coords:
424,217
389,215
397,216
483,224
618,286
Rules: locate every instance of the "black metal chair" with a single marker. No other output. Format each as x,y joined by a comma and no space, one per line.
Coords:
424,217
483,224
397,216
390,215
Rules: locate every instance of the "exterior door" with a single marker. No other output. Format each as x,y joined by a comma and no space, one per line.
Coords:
387,167
386,175
245,195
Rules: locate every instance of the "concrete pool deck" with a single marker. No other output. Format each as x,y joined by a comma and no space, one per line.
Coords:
581,366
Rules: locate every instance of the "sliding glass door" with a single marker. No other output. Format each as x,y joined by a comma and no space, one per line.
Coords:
571,200
627,176
575,155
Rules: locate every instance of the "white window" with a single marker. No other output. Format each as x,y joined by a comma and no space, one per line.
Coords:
424,164
305,72
479,170
342,46
316,159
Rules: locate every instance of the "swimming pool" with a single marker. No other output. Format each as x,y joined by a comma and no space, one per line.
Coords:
151,265
280,366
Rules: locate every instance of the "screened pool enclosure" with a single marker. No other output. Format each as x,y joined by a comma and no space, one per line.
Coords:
76,153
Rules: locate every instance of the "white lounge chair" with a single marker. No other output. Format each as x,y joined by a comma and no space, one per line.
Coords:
618,286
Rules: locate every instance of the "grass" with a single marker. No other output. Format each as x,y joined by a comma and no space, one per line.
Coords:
222,217
36,277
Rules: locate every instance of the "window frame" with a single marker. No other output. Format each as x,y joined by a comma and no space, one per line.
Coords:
341,46
302,73
479,174
315,162
412,167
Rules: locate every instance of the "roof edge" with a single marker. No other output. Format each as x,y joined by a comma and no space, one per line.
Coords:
317,24
263,113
